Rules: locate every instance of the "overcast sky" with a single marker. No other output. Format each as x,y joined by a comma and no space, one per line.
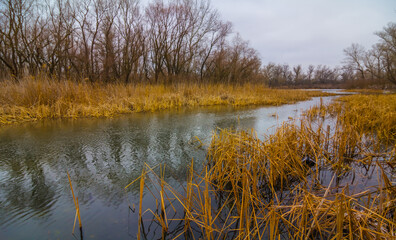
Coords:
307,31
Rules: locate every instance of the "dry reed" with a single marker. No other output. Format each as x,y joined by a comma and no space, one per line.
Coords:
273,188
33,99
76,205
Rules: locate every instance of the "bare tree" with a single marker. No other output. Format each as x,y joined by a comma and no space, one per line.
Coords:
17,35
157,18
54,46
297,74
107,39
347,73
103,40
373,62
387,47
274,74
324,74
310,73
132,40
355,55
236,63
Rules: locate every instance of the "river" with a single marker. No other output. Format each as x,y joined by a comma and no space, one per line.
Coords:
102,157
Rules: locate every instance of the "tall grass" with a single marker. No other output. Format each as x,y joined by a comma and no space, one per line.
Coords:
372,115
33,99
279,187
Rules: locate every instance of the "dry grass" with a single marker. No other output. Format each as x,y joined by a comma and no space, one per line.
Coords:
33,99
365,114
273,188
366,91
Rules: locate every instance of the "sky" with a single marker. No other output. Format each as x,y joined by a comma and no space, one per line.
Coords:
307,31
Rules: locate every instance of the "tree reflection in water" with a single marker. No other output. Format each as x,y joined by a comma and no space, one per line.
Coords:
103,156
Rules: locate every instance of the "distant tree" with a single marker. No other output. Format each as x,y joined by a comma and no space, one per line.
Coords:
274,73
324,74
267,73
373,62
310,74
297,74
387,50
286,74
347,74
355,55
235,63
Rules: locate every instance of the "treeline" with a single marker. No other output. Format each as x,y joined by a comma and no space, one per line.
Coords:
378,63
276,75
361,68
106,40
163,41
320,76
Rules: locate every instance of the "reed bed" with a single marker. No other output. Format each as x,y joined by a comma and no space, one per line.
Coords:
294,184
373,115
33,99
368,91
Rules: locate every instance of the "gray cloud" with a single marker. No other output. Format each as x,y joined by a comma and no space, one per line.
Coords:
307,31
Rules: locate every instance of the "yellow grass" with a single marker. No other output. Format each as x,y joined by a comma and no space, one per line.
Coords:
263,189
367,91
365,114
33,99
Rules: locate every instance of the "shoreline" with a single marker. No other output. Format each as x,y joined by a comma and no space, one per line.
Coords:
32,99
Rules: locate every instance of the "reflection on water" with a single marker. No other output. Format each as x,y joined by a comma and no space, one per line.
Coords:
103,156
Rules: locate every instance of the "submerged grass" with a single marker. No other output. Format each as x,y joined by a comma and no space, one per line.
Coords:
294,184
33,99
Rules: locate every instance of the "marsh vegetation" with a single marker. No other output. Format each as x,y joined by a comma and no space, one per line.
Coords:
308,180
36,99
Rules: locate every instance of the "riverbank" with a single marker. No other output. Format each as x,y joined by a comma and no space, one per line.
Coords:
33,99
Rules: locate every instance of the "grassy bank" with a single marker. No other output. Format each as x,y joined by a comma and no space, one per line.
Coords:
369,91
33,99
309,180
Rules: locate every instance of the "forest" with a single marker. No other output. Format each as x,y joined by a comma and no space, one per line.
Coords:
162,42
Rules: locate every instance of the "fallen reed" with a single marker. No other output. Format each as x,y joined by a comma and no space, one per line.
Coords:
294,184
32,99
77,206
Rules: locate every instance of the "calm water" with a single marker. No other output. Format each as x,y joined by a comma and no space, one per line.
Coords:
103,156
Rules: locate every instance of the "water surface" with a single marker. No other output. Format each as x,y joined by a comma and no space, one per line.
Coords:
102,157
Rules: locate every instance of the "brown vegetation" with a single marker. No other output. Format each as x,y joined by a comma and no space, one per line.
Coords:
277,188
33,99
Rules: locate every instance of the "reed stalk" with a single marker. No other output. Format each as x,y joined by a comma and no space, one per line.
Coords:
76,205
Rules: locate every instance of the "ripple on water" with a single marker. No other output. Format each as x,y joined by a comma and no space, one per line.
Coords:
103,156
